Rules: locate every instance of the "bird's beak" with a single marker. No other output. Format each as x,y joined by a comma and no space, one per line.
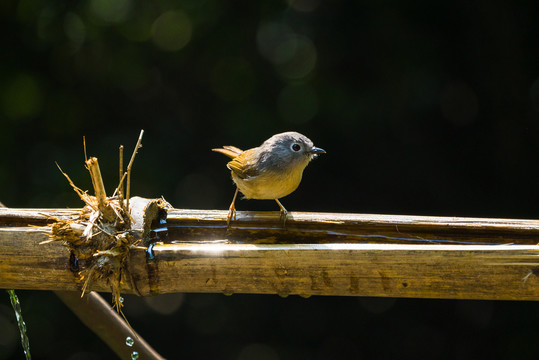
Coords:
316,150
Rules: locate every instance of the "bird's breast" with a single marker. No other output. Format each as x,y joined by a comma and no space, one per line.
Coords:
269,185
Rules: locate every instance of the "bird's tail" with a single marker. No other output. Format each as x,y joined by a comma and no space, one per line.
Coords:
230,151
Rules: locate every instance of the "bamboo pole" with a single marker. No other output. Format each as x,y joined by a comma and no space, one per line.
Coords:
317,254
395,270
308,228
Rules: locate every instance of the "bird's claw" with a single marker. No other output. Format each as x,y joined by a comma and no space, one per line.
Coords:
283,215
231,215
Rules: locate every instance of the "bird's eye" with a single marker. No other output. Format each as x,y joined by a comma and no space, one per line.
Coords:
296,147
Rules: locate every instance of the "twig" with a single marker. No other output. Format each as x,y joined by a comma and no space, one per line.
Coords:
84,145
128,190
120,178
82,194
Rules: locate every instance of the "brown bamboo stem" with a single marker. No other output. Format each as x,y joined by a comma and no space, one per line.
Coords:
97,181
419,271
317,254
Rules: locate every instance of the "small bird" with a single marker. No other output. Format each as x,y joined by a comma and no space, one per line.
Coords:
270,171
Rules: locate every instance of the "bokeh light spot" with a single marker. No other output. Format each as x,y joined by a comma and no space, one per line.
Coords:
138,29
74,29
302,62
232,79
21,97
45,23
304,5
294,55
298,103
110,11
275,42
165,304
171,31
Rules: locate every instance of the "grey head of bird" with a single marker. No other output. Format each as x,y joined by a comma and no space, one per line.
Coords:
285,151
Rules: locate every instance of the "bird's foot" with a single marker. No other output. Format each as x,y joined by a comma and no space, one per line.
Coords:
231,214
284,213
232,210
283,216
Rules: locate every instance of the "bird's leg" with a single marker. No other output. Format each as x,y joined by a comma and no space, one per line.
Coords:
284,213
232,209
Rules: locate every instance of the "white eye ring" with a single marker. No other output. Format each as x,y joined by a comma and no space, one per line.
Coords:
295,147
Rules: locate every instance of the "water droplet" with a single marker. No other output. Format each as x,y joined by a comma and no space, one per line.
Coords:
283,293
121,300
228,292
129,341
305,296
134,355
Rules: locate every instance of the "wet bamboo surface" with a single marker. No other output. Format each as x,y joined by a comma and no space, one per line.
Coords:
316,254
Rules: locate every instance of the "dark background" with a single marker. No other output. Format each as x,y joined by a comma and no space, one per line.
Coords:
424,108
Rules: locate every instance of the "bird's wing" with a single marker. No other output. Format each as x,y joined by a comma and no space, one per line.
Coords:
230,151
243,167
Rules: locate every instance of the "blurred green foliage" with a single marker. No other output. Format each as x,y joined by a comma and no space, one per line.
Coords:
436,102
424,107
